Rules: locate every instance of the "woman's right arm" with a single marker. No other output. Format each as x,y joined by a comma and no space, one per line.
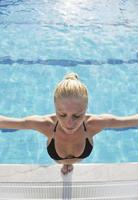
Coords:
36,122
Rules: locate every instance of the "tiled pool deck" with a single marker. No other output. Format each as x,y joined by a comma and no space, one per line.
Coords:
81,172
87,181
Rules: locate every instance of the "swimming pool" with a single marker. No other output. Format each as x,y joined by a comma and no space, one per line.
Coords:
40,42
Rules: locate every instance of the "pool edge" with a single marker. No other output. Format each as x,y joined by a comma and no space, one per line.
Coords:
100,172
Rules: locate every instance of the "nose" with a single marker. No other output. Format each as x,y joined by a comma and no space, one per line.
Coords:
69,123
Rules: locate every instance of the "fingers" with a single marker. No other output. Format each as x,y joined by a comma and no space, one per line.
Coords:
66,169
70,168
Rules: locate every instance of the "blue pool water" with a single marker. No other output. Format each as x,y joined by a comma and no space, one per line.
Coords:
40,41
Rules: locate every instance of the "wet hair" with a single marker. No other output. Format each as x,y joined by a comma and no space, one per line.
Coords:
71,86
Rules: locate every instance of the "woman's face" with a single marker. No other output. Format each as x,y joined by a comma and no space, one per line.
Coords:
70,112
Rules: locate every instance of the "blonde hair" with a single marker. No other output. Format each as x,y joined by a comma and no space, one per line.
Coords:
71,86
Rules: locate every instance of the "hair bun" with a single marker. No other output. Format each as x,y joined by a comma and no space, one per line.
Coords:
72,76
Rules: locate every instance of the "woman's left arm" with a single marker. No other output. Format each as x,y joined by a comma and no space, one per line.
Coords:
112,121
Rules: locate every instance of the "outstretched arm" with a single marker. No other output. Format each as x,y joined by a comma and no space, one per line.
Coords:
29,122
112,121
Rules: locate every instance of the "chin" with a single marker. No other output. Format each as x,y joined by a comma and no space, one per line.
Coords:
70,131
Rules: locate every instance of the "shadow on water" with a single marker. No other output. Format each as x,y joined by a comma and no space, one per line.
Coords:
8,130
120,129
106,129
7,60
6,3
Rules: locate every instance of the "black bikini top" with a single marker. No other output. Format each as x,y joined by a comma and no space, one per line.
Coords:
53,154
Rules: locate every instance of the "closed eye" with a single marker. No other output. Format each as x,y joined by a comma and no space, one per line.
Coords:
62,115
76,116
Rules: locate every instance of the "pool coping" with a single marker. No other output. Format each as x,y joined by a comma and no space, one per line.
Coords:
97,172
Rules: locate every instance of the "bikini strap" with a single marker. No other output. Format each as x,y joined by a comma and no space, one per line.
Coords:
84,126
55,126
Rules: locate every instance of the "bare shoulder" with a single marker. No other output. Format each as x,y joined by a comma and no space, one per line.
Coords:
93,124
111,121
42,123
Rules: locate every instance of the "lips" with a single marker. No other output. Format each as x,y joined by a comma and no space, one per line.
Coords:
70,129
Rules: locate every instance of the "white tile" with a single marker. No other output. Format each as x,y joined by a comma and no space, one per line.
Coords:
81,172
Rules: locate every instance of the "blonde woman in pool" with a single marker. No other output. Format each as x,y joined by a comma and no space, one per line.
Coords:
70,130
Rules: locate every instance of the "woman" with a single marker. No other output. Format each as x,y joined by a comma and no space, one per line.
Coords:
70,130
